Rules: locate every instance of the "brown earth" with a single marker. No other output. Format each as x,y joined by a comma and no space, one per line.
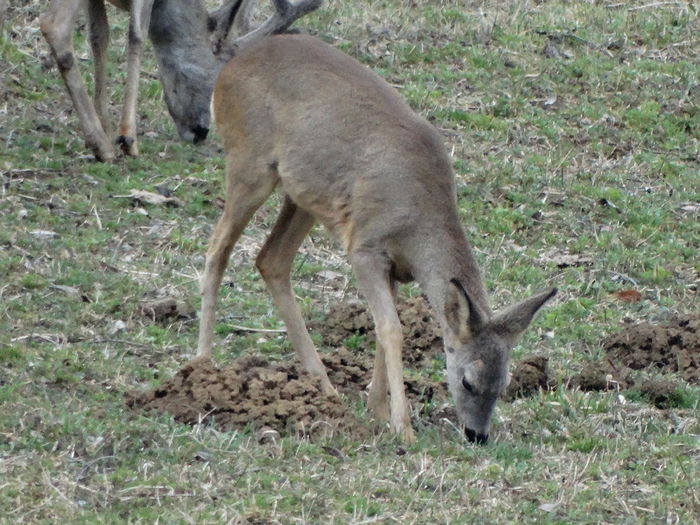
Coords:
165,310
281,397
670,348
529,376
250,392
284,398
422,341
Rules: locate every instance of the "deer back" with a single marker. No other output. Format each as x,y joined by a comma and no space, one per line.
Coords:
346,147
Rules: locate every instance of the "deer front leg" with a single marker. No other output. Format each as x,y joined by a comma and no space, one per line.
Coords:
57,27
139,18
99,40
372,273
274,262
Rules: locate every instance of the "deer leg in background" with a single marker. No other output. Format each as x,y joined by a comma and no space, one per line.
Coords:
99,40
57,27
378,400
275,264
375,283
242,199
138,26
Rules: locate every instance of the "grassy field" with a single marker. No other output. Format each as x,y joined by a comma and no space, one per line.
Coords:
575,132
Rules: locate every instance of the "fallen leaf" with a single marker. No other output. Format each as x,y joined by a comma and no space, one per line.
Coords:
118,326
551,100
68,290
628,296
563,259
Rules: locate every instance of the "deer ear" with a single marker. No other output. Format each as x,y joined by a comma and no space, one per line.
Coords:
512,322
462,316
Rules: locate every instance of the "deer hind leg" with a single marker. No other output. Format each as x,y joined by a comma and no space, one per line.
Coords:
243,198
139,18
57,27
375,283
275,264
378,401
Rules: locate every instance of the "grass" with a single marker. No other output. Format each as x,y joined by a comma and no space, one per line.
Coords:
574,129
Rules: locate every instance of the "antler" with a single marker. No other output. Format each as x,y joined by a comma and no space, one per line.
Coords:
233,19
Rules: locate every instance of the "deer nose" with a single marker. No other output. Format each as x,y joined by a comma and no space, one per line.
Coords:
200,133
473,437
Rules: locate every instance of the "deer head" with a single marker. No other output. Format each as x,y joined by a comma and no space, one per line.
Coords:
191,47
478,352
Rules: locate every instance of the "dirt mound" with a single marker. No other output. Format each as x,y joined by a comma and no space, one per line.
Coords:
671,348
249,392
166,310
530,375
282,397
422,340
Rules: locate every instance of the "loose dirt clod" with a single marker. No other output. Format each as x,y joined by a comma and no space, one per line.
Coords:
283,397
672,348
250,392
530,375
164,310
276,397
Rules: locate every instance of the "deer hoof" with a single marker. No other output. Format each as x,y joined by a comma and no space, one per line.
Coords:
405,433
128,145
379,408
328,389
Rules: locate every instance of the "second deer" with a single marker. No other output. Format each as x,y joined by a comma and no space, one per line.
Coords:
191,47
348,152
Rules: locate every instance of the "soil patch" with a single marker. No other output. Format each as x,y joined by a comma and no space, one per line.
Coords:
422,340
670,348
250,392
529,376
282,397
166,310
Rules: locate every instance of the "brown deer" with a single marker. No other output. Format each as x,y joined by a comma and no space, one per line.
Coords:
191,47
348,152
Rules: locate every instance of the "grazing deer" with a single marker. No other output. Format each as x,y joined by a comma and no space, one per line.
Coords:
191,47
348,152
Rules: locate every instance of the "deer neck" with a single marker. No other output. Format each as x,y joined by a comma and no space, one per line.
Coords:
443,255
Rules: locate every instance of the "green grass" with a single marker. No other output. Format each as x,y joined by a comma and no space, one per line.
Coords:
573,126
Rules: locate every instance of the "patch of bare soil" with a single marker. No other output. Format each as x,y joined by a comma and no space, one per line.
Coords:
284,398
529,376
671,348
421,333
281,397
250,392
166,310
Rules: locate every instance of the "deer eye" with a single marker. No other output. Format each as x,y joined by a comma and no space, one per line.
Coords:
467,385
